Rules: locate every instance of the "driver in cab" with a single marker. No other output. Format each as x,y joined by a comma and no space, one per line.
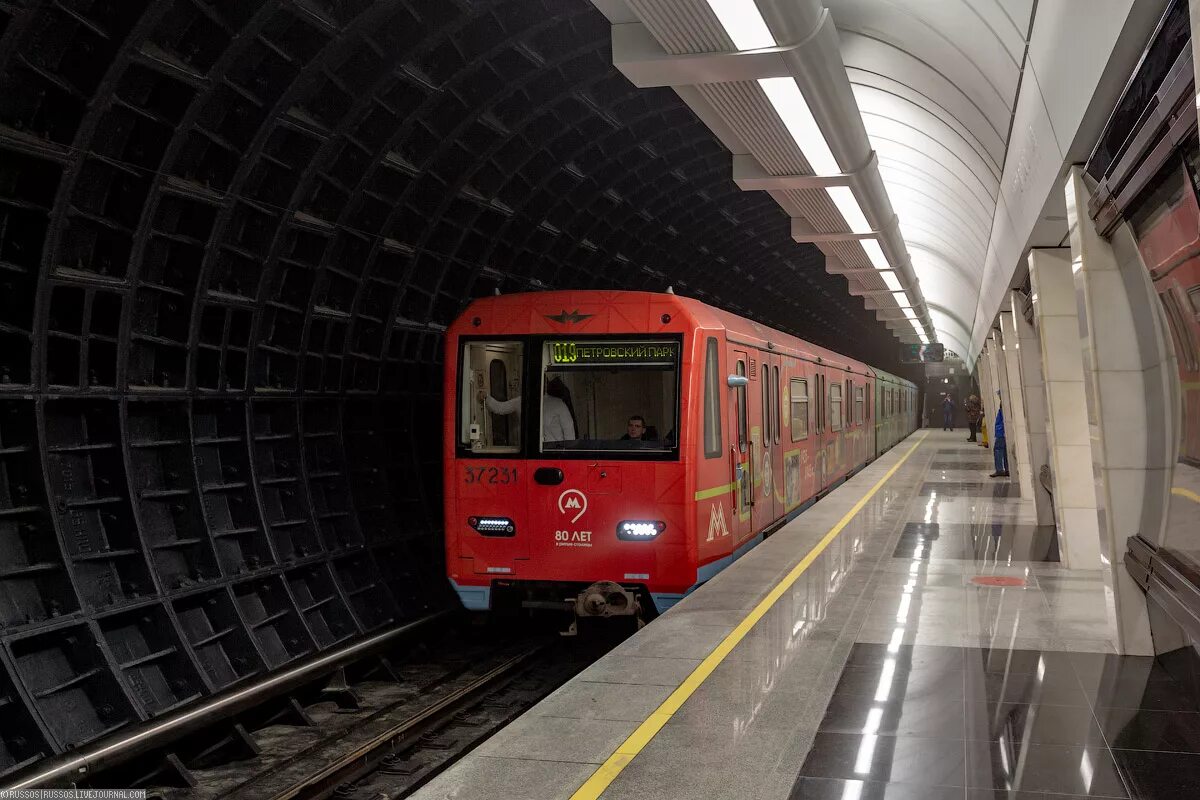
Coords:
635,428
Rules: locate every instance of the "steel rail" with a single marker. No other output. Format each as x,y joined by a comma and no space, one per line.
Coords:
129,743
364,758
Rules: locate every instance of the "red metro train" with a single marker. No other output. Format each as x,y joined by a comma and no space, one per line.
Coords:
614,450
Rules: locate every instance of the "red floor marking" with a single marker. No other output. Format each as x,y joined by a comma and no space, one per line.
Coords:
983,580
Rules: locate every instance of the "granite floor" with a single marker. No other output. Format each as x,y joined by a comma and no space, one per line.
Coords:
935,648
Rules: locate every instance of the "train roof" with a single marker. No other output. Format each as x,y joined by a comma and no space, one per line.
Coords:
599,311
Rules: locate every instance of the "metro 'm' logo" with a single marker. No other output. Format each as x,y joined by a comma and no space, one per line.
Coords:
716,522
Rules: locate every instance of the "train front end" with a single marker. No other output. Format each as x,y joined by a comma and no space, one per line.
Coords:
564,485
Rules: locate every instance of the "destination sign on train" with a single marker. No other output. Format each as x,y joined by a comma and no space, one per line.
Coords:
586,353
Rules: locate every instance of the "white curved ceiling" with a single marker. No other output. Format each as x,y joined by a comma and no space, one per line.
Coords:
974,109
936,82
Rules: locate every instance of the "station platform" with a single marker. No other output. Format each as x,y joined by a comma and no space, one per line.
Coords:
909,636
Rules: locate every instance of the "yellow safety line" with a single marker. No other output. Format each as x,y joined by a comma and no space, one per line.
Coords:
1190,495
607,772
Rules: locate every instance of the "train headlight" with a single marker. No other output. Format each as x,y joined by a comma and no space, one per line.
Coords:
493,526
640,530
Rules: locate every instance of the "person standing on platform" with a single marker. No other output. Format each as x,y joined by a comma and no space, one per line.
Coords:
947,413
974,413
999,447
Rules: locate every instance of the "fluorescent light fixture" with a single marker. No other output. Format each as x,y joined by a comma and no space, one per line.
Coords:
875,253
892,282
901,298
908,312
743,22
843,197
790,105
916,324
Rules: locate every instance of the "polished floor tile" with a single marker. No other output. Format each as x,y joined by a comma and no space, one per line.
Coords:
1063,769
1153,775
1018,723
840,789
1140,729
1135,691
894,681
996,488
904,759
865,655
921,717
1053,689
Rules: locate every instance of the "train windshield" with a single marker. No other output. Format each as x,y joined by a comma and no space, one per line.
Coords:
610,395
490,396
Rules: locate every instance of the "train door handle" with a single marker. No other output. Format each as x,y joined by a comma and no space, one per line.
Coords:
548,476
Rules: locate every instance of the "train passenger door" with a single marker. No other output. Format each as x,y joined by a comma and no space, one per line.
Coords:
741,471
771,493
818,446
759,456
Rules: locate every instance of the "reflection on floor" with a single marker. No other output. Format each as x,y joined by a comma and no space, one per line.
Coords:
1014,713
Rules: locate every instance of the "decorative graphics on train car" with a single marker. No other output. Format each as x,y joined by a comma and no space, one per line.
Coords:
791,472
572,501
716,522
591,353
568,317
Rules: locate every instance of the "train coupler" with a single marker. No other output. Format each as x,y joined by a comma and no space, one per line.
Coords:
605,599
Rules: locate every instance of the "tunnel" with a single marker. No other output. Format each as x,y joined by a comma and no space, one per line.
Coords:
232,235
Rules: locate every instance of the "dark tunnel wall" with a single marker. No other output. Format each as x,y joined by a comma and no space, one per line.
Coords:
231,234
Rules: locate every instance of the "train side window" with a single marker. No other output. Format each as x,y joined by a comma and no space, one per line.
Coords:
712,400
849,397
835,406
489,396
741,401
799,410
859,394
778,411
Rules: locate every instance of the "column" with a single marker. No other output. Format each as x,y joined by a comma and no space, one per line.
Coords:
987,389
1125,381
1000,372
1068,439
1033,396
1016,430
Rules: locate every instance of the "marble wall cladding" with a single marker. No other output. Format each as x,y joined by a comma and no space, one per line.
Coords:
1067,434
1121,352
1014,405
1033,396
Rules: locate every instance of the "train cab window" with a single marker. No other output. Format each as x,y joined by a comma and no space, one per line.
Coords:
835,406
799,410
608,395
489,396
712,400
859,401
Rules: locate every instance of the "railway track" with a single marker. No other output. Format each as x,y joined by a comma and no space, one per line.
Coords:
386,730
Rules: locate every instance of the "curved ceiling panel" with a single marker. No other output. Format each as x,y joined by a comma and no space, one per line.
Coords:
936,84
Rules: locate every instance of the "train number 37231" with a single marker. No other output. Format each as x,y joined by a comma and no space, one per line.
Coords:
491,475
